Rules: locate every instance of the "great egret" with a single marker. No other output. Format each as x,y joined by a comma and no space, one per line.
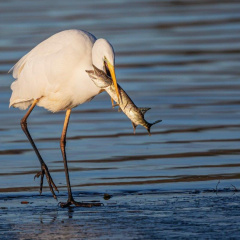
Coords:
52,75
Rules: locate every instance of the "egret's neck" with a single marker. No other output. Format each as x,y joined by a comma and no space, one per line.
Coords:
97,58
98,62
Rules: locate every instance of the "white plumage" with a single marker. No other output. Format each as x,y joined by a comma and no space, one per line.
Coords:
54,71
53,75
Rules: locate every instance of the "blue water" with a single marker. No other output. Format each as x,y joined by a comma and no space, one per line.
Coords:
181,58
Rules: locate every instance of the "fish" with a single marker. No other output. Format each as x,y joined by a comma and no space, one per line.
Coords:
125,103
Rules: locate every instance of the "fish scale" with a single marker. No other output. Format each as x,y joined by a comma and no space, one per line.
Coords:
125,103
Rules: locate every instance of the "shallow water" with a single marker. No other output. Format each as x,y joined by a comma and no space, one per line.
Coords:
127,215
181,58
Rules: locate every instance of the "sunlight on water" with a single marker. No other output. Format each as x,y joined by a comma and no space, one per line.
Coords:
179,58
182,59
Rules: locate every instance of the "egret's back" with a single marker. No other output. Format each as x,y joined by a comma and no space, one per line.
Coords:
53,71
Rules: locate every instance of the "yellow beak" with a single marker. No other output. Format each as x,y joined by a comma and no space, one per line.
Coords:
113,76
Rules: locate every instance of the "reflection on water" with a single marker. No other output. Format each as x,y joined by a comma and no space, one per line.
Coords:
128,215
181,58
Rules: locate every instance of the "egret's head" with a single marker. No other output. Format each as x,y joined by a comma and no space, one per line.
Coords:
103,57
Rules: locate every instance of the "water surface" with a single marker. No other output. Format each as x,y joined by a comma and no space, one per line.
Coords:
181,58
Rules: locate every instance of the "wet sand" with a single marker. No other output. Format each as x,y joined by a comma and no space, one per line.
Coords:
207,214
182,59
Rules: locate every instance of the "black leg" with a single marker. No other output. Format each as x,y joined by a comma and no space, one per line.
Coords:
44,169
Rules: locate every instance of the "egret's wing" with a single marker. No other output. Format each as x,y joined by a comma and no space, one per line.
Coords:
53,45
45,48
47,67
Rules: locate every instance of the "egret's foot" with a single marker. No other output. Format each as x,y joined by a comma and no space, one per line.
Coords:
44,171
80,204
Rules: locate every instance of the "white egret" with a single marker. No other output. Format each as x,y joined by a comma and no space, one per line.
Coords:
53,75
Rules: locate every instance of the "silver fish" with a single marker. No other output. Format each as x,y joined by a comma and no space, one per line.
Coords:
135,114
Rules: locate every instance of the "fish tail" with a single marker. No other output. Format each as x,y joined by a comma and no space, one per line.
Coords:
149,125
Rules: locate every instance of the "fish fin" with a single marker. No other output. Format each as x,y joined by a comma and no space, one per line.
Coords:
134,127
150,125
116,105
143,110
113,104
